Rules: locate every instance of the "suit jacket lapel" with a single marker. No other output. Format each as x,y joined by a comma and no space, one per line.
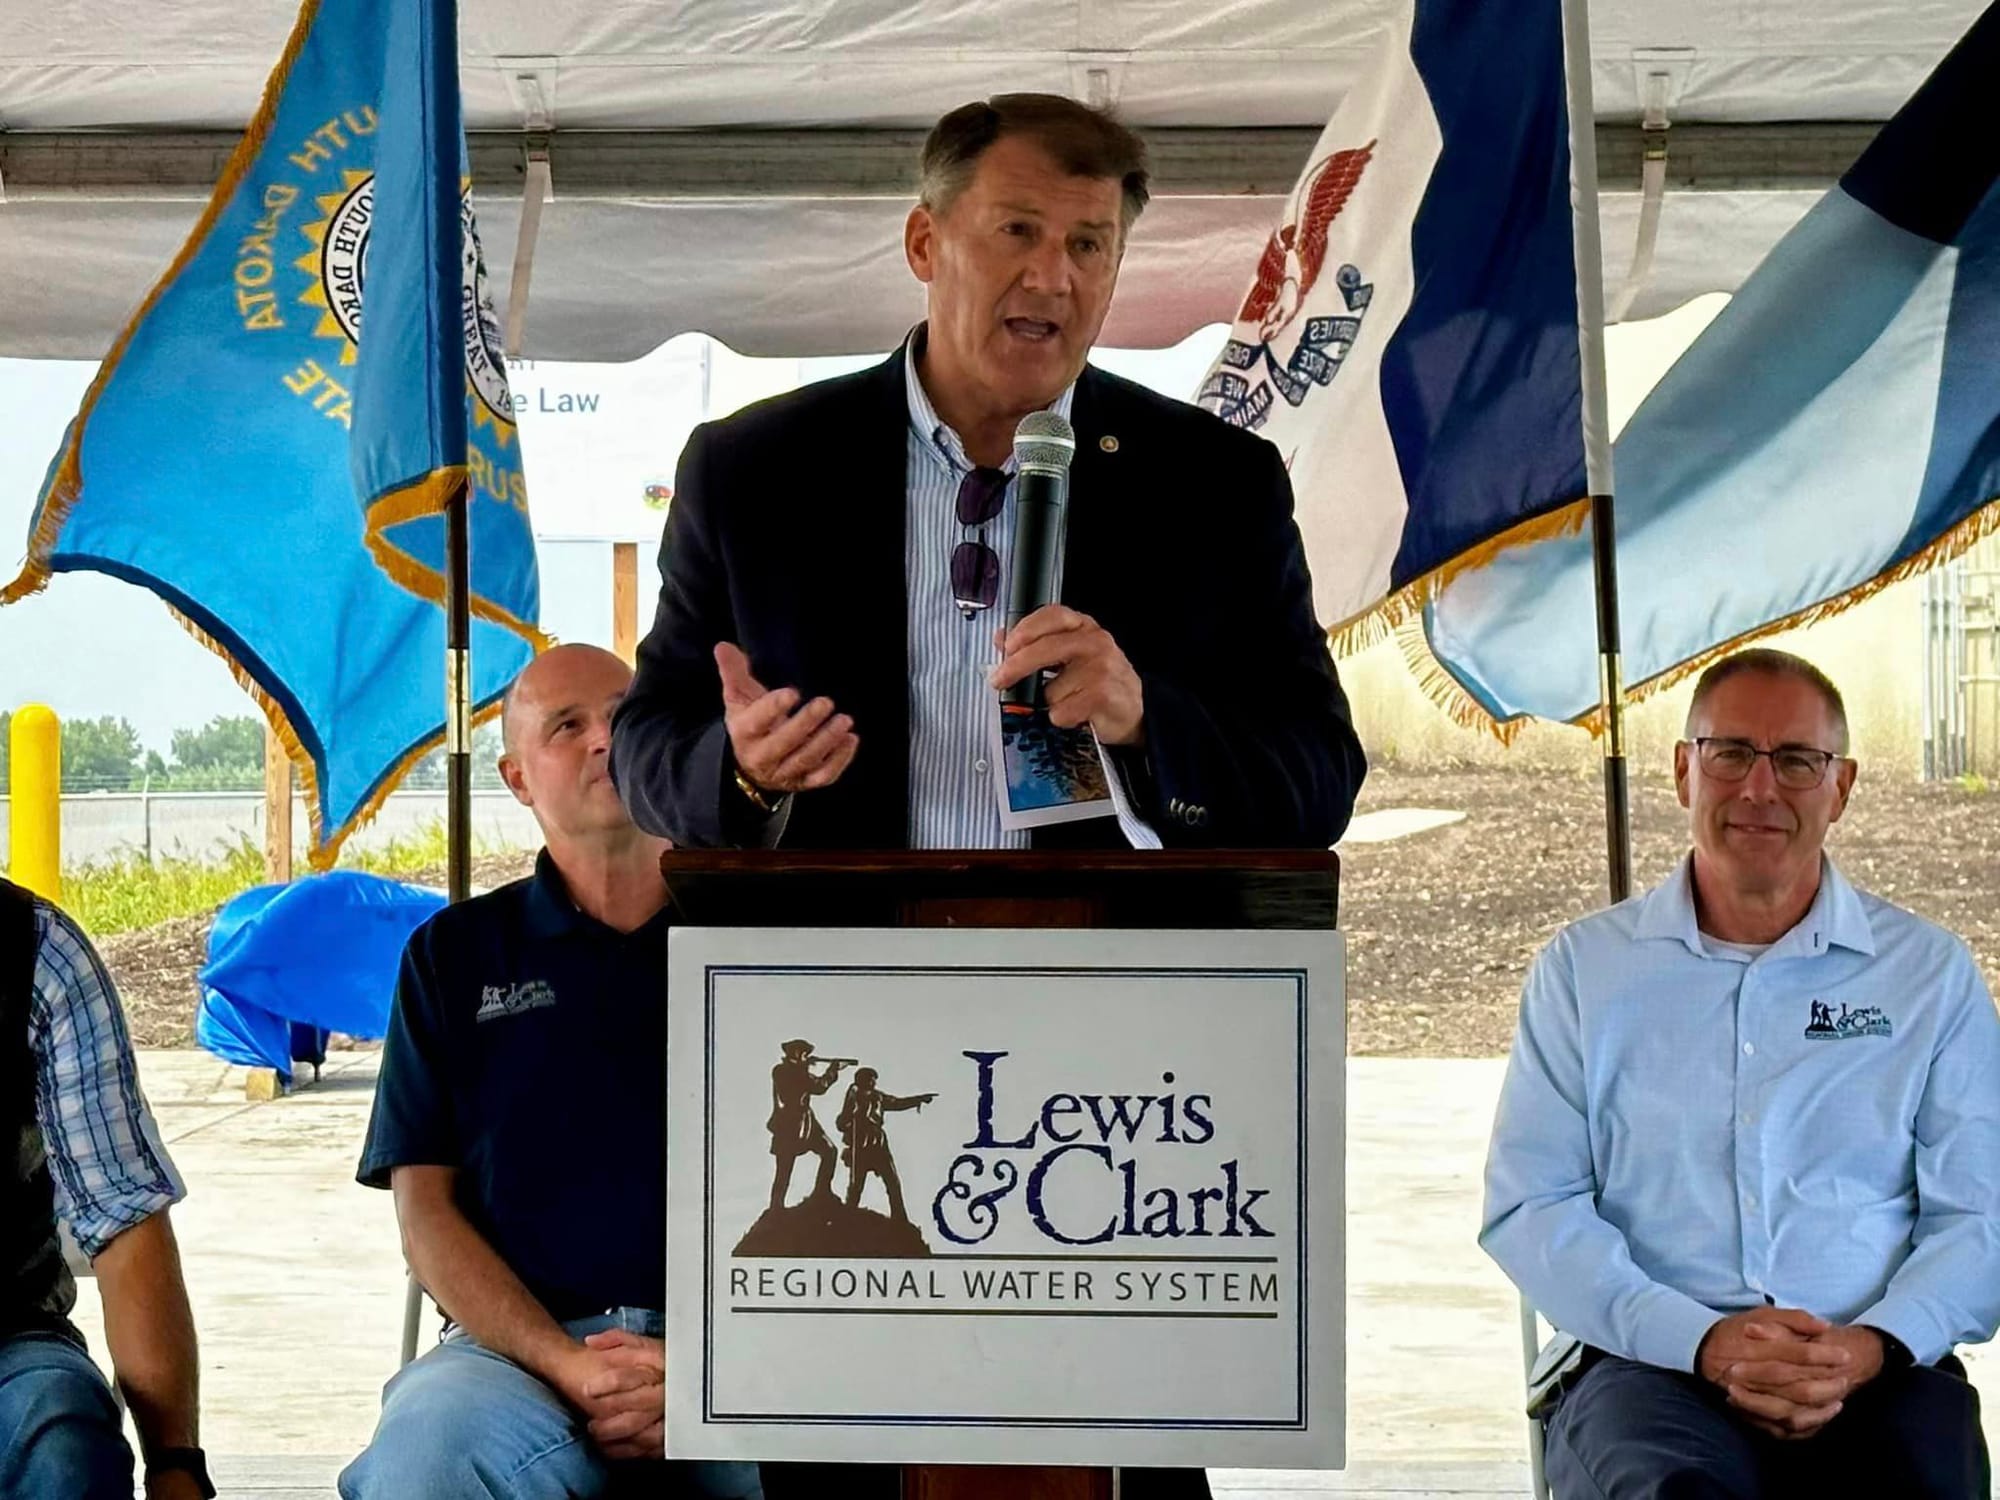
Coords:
1089,552
874,599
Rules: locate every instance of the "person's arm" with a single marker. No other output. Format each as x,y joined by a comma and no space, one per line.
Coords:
1948,1290
670,754
467,1278
1260,751
1541,1222
149,1332
113,1186
619,1385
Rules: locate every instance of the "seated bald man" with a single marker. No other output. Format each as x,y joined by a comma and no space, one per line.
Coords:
542,1242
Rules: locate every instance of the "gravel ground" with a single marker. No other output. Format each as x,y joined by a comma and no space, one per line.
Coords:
1441,925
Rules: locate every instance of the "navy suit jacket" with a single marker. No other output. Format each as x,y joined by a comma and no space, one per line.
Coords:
785,536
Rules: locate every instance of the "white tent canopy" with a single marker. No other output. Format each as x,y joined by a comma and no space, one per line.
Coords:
668,217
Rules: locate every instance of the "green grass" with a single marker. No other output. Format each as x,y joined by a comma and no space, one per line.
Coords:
123,895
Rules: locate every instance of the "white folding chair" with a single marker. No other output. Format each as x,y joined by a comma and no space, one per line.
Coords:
1531,1349
413,1317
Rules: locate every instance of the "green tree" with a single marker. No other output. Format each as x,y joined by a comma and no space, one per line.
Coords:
100,754
224,743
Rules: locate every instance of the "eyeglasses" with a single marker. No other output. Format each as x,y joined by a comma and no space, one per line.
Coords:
975,567
1798,768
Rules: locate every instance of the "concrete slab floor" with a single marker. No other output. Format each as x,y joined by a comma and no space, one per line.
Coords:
297,1278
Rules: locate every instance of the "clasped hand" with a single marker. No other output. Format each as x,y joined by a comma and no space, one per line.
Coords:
618,1380
1787,1372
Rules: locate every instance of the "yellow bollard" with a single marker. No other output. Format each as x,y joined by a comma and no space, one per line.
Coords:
35,801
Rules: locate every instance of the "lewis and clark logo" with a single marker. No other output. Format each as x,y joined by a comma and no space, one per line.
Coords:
499,1000
1081,1173
1825,1026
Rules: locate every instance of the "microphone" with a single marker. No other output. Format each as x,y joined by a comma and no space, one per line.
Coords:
1044,444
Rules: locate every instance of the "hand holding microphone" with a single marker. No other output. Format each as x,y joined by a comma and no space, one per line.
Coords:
1093,683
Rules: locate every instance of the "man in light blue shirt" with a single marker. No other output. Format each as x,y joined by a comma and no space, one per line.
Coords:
1748,1149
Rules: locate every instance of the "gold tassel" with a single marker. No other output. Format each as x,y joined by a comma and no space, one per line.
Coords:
1375,624
1462,708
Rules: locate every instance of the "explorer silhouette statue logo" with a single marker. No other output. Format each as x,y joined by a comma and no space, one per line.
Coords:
823,1224
1827,1027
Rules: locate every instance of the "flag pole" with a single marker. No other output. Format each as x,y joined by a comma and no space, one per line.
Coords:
1597,440
458,696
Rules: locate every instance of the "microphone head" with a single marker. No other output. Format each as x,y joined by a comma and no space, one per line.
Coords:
1044,441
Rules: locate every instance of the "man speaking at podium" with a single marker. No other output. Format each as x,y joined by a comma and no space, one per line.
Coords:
823,667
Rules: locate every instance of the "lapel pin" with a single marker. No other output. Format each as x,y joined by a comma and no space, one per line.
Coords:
1108,443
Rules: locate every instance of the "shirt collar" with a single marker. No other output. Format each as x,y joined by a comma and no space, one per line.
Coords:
551,912
1835,919
930,428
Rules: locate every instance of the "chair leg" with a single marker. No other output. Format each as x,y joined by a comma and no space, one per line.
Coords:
413,1315
1531,1343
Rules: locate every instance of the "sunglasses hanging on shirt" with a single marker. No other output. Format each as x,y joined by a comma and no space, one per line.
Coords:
975,567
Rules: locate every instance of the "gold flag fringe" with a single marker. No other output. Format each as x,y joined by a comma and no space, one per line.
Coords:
1377,623
65,486
427,497
1463,709
322,852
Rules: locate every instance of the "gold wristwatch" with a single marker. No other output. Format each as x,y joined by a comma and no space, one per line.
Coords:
765,802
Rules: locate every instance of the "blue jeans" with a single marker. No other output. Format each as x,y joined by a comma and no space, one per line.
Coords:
60,1429
463,1423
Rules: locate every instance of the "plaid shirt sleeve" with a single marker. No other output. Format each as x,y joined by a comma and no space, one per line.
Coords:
110,1169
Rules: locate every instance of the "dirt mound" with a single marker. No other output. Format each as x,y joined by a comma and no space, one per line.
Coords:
1440,926
154,967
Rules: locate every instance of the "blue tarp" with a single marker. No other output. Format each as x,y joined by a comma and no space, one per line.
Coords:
289,963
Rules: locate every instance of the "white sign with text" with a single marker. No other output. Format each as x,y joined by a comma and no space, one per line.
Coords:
1006,1197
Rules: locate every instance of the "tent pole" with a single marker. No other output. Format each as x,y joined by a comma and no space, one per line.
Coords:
458,695
1597,437
1611,700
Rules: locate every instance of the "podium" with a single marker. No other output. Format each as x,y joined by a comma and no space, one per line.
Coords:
1132,889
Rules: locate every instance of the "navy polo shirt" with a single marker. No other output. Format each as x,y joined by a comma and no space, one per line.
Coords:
528,1050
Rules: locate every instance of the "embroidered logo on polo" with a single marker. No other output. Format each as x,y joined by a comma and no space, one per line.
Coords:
1828,1027
497,1000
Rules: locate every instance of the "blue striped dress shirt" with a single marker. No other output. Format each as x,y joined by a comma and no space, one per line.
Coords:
105,1155
1687,1130
954,803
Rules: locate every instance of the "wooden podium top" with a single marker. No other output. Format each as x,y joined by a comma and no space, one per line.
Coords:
1175,888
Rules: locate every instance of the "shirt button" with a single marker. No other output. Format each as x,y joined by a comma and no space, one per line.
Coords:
980,765
1746,1119
1750,1200
1749,1049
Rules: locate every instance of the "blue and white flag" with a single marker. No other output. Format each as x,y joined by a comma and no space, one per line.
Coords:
276,475
1836,428
1409,340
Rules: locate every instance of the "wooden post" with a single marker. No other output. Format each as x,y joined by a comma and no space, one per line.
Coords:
277,810
625,601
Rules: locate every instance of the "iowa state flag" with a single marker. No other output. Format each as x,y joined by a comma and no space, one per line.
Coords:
1837,427
274,464
1409,338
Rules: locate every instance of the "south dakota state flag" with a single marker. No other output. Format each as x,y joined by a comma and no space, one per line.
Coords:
276,472
1837,427
1409,338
